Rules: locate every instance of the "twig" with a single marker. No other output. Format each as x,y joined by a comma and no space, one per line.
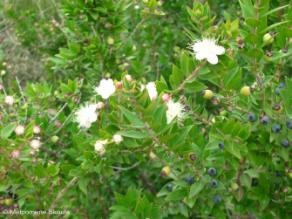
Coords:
58,113
126,168
194,74
62,192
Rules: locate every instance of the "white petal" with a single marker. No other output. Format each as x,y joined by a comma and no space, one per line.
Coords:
219,50
200,56
212,59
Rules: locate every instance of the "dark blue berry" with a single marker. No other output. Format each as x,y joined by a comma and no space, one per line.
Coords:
278,173
217,199
169,187
276,128
281,85
289,124
212,171
285,143
221,145
277,90
251,117
214,183
254,182
265,120
190,180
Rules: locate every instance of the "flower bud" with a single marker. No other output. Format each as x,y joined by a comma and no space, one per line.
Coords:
166,97
36,129
19,130
9,100
35,144
119,85
100,105
152,155
129,78
117,138
15,154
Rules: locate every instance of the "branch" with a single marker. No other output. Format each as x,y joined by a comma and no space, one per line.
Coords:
191,76
62,192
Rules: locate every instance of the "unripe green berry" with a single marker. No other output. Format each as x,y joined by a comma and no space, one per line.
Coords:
268,39
55,139
245,90
208,94
234,186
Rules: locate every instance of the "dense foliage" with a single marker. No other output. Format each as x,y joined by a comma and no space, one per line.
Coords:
149,109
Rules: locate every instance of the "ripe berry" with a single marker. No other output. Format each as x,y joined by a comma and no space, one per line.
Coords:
285,143
277,90
282,85
214,183
254,182
208,94
278,173
212,171
276,128
221,145
245,90
251,117
265,120
289,124
169,187
190,180
217,199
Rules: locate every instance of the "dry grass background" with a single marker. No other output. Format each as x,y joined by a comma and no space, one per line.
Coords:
16,59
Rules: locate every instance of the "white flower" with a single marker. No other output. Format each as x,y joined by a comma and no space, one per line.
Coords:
99,146
19,130
174,110
9,100
152,92
35,144
86,115
207,49
117,138
142,87
106,88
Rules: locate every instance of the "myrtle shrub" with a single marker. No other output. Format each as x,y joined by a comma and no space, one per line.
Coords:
166,111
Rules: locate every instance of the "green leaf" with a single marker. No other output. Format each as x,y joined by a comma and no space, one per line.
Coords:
177,195
7,131
233,79
132,118
134,134
196,188
247,8
82,184
53,170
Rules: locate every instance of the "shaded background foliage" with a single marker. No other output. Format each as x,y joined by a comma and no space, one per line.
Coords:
67,46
